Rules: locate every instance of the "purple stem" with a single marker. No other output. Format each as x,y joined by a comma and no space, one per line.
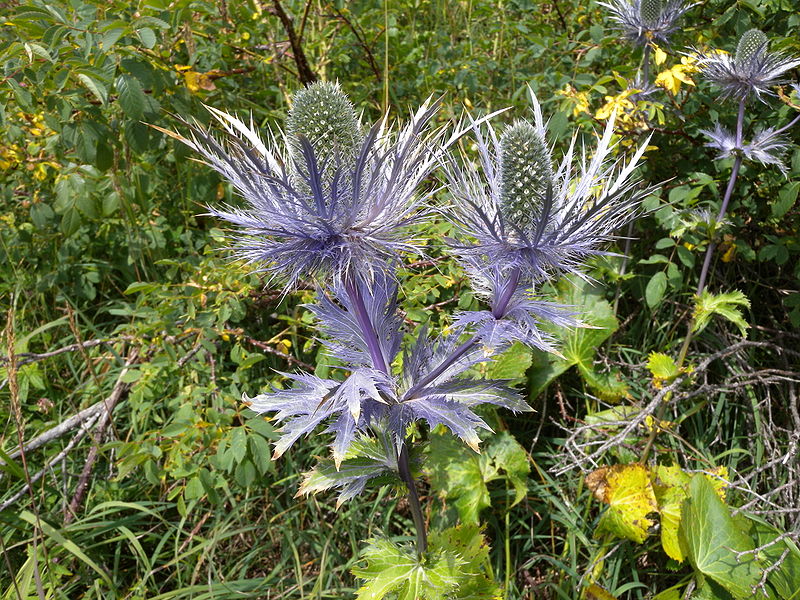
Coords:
362,317
379,362
498,311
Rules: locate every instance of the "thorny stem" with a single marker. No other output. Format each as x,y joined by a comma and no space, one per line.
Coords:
701,284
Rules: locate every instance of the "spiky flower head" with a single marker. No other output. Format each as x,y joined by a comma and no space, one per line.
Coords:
751,72
644,21
526,173
511,243
324,116
767,146
326,202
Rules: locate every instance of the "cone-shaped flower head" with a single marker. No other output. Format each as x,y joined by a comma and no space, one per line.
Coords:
645,21
751,71
524,220
526,173
332,201
323,115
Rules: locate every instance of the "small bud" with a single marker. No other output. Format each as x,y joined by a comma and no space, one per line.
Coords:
525,173
650,11
323,115
751,44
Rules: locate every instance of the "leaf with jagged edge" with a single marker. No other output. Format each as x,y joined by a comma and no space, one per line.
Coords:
785,579
460,475
369,460
455,566
726,305
663,368
712,538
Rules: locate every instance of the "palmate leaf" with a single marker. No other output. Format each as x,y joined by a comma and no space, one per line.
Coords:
712,538
462,476
454,567
727,305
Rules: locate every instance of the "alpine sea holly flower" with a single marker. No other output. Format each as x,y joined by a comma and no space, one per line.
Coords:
751,71
768,146
644,21
331,202
523,220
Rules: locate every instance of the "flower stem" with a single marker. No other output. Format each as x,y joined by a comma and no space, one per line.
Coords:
701,284
367,328
379,362
646,67
413,499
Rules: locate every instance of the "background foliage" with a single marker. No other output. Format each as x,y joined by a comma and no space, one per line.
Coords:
113,290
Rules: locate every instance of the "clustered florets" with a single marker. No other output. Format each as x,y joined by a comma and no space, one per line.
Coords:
334,207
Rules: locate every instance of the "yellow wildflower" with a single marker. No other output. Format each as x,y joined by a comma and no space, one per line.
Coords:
579,100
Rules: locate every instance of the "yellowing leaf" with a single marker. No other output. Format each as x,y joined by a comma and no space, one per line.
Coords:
662,367
595,592
659,55
672,78
628,492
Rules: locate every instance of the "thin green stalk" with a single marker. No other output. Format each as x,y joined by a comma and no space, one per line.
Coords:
413,500
701,284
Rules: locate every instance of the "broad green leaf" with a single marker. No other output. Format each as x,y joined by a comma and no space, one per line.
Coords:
578,345
461,475
131,96
726,305
96,87
629,494
511,364
786,578
711,538
147,37
656,287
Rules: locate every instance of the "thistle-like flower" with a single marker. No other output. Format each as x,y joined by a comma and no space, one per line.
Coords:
751,72
644,21
768,146
522,221
333,201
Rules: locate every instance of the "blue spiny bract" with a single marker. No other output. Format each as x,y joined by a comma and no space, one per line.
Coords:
644,21
751,72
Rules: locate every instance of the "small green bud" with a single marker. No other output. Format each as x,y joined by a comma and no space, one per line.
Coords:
526,171
750,44
650,11
322,114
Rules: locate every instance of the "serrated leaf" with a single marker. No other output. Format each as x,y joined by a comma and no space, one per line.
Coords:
238,443
656,287
725,305
712,537
131,96
511,364
147,37
96,87
629,494
662,367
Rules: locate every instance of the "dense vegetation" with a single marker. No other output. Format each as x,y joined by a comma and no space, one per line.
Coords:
130,336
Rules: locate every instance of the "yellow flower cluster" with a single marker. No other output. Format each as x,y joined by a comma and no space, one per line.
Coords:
578,100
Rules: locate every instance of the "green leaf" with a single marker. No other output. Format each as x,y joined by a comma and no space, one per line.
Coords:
96,87
131,96
455,566
656,287
147,37
711,539
461,475
238,443
786,578
579,345
787,196
511,364
726,305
